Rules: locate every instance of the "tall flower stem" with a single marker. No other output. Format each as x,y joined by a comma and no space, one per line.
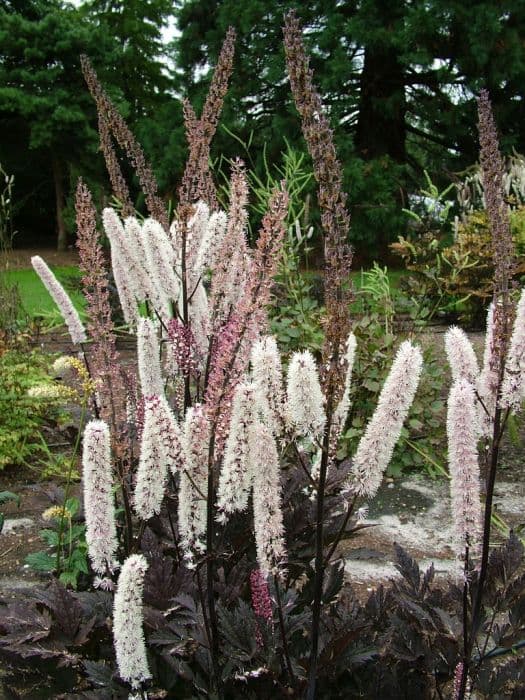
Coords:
282,630
319,557
68,486
210,565
476,607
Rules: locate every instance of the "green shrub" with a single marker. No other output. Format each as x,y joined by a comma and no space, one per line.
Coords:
22,416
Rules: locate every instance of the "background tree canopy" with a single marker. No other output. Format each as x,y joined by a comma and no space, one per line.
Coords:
399,80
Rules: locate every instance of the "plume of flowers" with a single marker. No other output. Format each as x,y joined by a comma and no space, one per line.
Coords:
488,379
160,451
197,182
233,248
210,242
226,369
99,503
463,433
126,265
200,321
104,358
160,258
335,218
493,173
194,480
181,348
304,403
148,351
267,377
492,168
263,463
236,478
127,142
195,232
261,602
128,634
150,279
342,408
61,299
382,432
461,356
513,387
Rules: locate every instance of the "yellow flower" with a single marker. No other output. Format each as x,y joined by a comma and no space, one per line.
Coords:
57,512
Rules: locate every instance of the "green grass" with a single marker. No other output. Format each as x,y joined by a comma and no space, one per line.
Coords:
35,298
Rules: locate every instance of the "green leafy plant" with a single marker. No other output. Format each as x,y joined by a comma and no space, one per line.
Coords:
22,416
66,555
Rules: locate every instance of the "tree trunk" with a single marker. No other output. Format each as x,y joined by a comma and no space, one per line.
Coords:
58,178
382,107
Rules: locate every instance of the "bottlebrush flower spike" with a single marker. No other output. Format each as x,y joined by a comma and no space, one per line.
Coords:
200,320
137,244
263,463
181,349
194,480
128,635
267,376
463,432
341,411
148,352
513,387
461,356
161,258
61,299
261,602
125,288
99,503
305,399
211,241
160,451
124,255
488,380
384,428
235,480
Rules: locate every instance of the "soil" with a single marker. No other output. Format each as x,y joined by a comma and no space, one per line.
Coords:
20,259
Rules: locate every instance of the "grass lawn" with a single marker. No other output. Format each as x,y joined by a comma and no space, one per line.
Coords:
35,298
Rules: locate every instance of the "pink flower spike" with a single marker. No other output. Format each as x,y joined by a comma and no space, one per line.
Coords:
148,351
384,428
513,388
305,400
463,432
461,356
128,635
160,451
99,502
263,460
235,479
61,299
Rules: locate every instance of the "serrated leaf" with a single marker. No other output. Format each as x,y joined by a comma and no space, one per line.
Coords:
41,561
